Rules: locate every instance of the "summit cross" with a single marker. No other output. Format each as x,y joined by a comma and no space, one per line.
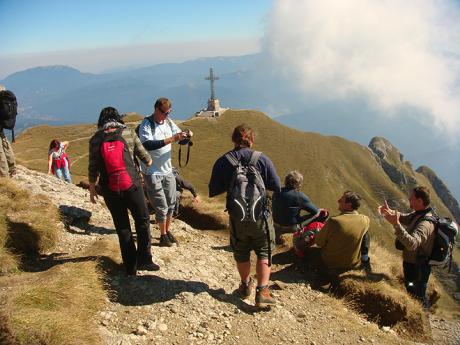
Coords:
212,78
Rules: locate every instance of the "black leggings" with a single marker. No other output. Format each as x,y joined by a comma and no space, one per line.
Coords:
118,205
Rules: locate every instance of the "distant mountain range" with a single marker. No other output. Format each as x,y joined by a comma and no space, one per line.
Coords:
63,95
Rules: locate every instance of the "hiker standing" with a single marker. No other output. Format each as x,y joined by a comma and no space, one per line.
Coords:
344,240
251,227
415,237
58,160
111,160
287,205
182,184
8,112
157,132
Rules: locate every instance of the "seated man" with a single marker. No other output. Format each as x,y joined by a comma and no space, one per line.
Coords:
287,205
344,240
182,184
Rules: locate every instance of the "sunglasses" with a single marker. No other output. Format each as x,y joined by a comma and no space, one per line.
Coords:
165,113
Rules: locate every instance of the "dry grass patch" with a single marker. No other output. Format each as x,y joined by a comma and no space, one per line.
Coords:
56,307
8,261
386,305
381,296
31,221
206,215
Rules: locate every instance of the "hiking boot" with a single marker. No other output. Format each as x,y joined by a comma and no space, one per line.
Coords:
245,289
263,297
148,267
165,241
172,238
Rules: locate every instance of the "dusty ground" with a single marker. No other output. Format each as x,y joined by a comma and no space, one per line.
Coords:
191,300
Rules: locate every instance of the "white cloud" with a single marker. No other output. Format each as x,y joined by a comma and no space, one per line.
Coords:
395,53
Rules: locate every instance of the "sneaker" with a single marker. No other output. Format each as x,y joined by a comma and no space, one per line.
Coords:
245,289
165,241
264,298
148,267
172,238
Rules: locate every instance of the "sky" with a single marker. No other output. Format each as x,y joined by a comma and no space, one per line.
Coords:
93,35
397,55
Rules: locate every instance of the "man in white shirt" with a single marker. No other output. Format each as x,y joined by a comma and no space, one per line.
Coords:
156,133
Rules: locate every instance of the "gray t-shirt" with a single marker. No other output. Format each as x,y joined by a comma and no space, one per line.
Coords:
161,157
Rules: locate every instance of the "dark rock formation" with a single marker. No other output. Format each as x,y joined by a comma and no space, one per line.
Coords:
392,162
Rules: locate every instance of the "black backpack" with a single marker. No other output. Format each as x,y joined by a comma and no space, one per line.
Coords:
8,110
446,232
246,195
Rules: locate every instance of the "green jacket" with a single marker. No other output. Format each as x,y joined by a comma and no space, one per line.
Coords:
340,240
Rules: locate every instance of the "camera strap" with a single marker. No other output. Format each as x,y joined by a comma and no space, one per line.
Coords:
188,155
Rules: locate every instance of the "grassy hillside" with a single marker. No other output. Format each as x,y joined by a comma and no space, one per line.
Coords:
330,164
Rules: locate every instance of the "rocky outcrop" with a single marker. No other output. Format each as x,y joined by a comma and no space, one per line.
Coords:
441,189
392,162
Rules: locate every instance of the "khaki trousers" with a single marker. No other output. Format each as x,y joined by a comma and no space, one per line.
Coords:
7,161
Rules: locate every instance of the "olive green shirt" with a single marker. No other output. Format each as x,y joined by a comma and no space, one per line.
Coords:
340,240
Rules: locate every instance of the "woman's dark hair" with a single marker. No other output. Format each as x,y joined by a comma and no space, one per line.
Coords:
54,144
109,114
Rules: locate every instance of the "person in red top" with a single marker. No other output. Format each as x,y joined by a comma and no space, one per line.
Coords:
58,160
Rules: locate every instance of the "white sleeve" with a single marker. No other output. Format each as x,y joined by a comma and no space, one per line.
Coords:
145,131
174,128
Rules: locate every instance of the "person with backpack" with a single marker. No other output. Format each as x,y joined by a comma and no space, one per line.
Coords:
111,164
58,160
157,132
245,175
287,205
415,236
8,112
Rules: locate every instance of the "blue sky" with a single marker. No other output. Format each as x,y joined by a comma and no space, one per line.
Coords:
33,29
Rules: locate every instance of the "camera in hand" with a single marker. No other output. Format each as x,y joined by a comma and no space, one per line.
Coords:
186,132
